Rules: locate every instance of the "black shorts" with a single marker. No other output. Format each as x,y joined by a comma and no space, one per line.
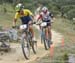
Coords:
25,19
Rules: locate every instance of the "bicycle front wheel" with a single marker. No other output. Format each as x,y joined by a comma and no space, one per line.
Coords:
25,47
46,44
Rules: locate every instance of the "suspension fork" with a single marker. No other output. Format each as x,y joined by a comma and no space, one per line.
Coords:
43,33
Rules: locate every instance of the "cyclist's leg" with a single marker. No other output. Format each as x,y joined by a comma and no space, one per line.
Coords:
49,31
32,31
28,20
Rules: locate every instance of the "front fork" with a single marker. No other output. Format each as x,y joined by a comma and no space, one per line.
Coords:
42,32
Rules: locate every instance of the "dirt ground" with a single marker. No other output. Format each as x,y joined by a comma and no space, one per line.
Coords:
16,55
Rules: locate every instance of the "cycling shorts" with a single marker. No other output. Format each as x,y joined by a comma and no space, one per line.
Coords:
25,19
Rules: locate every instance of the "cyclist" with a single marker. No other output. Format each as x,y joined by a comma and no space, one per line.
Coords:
26,17
46,16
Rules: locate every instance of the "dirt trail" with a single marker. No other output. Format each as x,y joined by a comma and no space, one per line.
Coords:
16,55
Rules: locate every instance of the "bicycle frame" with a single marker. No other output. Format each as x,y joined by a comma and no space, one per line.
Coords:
27,42
44,38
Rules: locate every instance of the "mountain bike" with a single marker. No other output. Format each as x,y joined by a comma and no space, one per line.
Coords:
27,42
47,42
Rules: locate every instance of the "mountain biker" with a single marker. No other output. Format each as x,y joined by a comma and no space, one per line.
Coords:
26,17
46,16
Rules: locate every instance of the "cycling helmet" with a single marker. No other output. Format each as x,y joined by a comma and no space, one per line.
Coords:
19,7
44,9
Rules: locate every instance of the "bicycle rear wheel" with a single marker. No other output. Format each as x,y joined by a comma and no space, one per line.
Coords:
34,46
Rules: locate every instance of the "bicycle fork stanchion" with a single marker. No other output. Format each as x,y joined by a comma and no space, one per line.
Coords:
42,36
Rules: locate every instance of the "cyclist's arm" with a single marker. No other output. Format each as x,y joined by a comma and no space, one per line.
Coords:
15,19
14,22
40,17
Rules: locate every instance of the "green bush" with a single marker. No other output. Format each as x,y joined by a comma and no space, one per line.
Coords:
1,27
66,8
71,14
55,12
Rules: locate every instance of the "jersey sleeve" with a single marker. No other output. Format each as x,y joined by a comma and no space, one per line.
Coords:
30,13
40,17
17,16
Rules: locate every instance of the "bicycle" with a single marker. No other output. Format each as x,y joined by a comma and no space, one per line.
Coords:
47,42
27,42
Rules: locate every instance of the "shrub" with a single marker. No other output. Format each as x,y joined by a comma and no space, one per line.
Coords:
71,14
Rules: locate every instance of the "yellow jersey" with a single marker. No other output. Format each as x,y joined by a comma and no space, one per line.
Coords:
26,13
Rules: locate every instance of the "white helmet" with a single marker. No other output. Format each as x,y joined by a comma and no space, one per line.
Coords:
44,9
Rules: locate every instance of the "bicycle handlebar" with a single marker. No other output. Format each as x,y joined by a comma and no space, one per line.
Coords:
17,27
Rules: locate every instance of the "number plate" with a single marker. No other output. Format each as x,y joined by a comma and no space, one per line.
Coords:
44,24
23,26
